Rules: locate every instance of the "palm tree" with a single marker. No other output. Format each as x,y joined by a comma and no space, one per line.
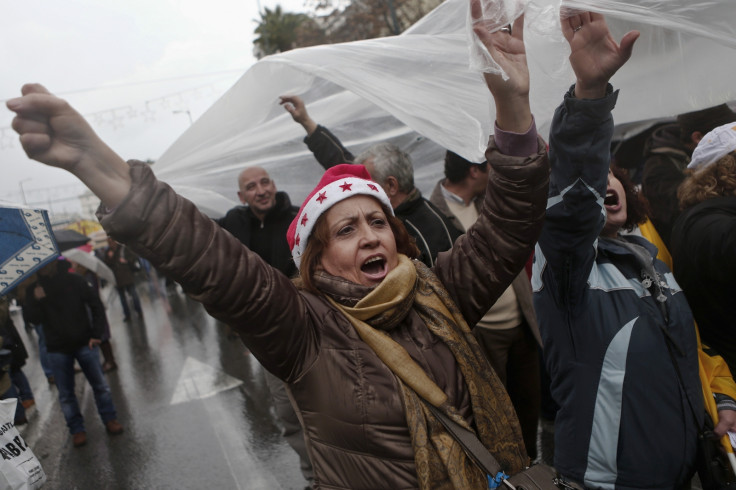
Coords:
280,31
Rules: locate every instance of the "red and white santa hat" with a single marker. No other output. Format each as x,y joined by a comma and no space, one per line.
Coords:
338,183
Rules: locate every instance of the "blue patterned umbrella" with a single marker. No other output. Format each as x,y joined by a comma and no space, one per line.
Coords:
26,244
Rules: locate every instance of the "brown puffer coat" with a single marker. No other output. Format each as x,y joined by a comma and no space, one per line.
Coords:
348,401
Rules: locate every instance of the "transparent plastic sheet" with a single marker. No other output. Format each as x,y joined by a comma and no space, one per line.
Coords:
417,91
492,16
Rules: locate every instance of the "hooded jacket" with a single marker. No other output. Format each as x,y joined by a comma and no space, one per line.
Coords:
348,401
624,420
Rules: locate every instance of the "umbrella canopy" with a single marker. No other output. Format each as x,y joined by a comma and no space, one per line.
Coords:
67,239
26,244
90,262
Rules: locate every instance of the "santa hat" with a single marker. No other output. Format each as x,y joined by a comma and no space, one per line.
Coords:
338,183
714,145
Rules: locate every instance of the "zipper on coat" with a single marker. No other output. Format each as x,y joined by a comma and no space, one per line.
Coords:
567,298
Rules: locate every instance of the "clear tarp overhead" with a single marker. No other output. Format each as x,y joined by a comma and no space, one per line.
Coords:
417,91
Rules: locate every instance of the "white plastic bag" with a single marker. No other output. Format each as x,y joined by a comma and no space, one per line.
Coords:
19,467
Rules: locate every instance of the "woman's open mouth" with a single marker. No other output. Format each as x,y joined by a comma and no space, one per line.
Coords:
374,268
611,201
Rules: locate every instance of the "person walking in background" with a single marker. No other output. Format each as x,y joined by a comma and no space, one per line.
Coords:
123,264
22,292
11,341
72,316
108,356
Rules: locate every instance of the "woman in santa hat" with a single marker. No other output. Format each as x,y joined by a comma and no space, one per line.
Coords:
367,338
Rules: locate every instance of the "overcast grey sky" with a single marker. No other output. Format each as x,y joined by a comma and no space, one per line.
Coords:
127,65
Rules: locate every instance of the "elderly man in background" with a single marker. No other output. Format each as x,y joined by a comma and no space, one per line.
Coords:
392,169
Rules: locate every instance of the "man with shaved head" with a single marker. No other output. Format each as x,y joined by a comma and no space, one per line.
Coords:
261,224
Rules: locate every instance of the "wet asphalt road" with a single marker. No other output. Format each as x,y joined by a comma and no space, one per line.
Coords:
194,403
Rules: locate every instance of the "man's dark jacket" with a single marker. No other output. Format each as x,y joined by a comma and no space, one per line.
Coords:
11,339
430,228
267,238
64,311
124,272
703,251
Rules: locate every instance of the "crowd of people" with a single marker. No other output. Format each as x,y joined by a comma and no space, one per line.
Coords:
380,314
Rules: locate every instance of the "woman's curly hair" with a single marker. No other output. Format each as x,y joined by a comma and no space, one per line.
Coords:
715,180
637,207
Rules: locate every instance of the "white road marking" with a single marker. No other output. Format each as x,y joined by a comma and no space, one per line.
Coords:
199,380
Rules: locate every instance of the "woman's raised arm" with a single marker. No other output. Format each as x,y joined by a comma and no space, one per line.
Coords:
511,96
53,133
594,54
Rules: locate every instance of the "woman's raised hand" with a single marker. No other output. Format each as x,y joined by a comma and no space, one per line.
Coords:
506,46
52,132
294,105
595,56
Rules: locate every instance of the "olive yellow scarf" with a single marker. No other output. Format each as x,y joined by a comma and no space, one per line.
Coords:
440,460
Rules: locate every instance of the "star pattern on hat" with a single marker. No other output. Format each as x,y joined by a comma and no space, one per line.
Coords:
337,184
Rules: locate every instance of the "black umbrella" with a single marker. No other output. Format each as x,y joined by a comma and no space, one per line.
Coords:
67,239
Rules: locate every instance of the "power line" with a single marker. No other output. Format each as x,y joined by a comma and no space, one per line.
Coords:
145,82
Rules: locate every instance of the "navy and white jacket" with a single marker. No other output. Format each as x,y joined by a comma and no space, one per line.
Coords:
624,421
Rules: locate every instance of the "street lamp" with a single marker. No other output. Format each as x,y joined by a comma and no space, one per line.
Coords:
22,192
187,113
